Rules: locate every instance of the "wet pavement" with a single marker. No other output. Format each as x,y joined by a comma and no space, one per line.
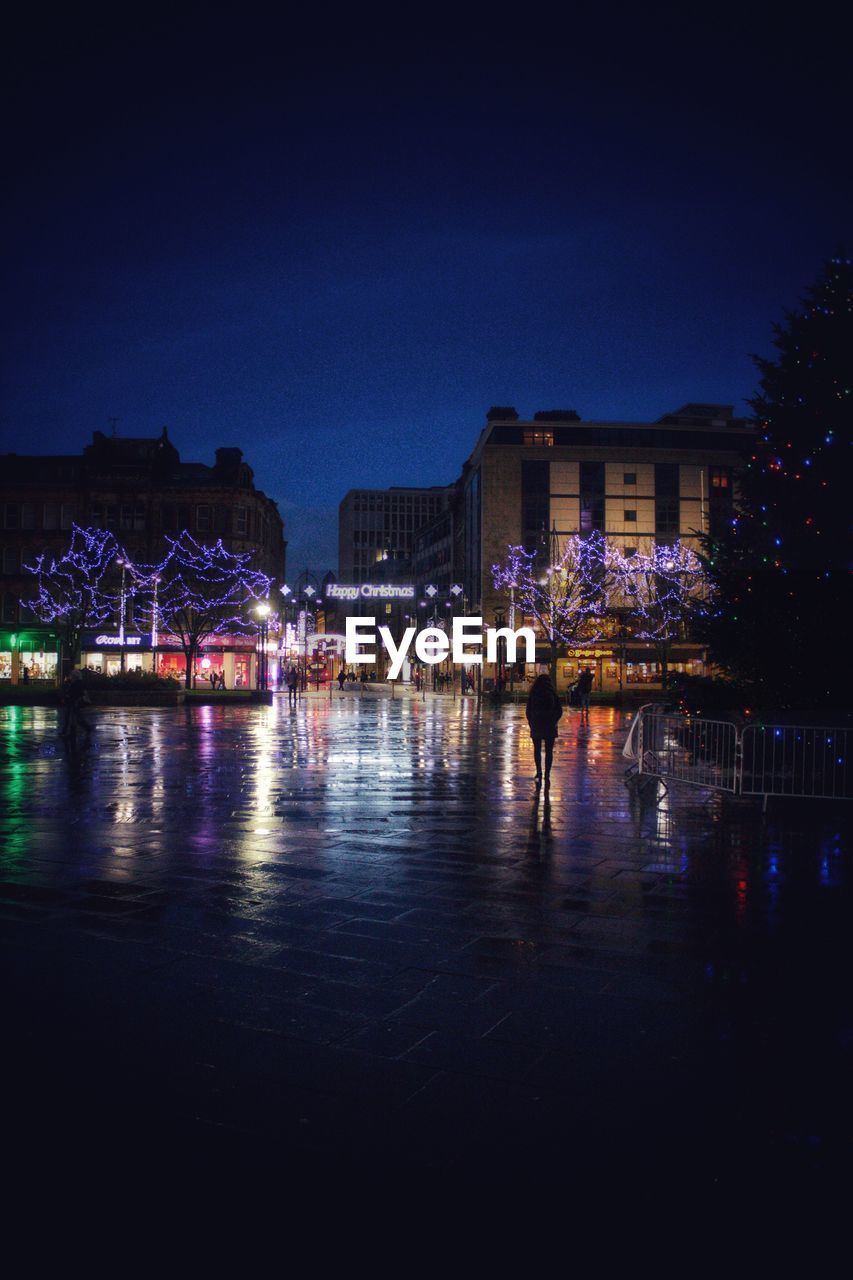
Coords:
357,936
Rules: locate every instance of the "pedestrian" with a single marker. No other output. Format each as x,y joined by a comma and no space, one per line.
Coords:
214,679
342,675
26,675
74,698
584,688
543,711
292,686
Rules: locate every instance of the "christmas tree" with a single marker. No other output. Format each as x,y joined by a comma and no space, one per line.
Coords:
780,572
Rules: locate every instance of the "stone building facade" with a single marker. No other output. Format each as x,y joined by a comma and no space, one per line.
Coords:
142,491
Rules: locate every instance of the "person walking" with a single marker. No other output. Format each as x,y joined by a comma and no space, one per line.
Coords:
292,686
584,687
342,675
543,711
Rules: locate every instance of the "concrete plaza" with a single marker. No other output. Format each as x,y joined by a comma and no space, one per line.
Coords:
357,935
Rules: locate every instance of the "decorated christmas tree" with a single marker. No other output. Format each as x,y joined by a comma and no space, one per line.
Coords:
780,572
203,591
568,598
79,589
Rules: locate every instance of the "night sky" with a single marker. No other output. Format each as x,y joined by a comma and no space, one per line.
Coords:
337,246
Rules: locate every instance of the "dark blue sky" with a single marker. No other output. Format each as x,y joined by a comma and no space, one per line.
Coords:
338,248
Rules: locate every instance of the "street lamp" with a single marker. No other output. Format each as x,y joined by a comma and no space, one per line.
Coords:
262,612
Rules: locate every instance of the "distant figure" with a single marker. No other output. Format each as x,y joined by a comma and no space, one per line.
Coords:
342,675
214,679
584,688
543,711
221,680
292,686
74,698
25,677
417,682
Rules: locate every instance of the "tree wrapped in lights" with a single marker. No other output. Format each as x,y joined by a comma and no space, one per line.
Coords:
78,591
568,599
202,591
659,593
780,570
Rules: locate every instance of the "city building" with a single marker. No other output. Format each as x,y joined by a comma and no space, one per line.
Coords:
380,524
142,491
535,482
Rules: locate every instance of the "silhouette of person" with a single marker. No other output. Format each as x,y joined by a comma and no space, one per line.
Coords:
543,711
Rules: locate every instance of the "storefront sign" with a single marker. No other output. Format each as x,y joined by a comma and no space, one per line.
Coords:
369,591
590,653
110,640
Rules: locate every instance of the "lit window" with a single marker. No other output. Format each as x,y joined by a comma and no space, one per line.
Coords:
539,438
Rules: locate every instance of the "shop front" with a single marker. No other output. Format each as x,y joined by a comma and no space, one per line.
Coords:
643,666
216,666
109,654
601,660
29,657
637,667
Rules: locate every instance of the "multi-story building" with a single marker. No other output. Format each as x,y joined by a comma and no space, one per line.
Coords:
528,482
140,489
380,524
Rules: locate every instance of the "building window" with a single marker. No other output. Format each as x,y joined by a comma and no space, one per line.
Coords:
12,515
535,505
28,515
666,515
539,438
630,517
10,606
11,559
50,516
241,524
132,516
66,515
591,496
202,519
719,477
630,477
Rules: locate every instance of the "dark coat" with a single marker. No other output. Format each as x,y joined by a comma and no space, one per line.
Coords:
585,681
543,709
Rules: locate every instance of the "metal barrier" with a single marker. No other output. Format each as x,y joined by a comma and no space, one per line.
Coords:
796,760
802,761
697,751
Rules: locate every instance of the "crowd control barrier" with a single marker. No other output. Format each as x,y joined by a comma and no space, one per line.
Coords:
801,761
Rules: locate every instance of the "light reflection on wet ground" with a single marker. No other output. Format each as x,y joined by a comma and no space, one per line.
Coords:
359,926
